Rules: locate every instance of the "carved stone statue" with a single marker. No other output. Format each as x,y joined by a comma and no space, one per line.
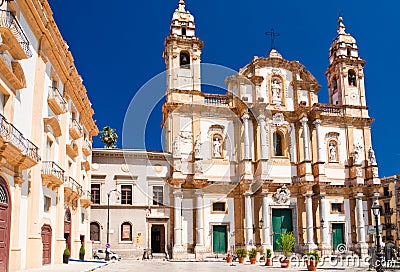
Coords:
282,195
276,88
332,151
217,147
176,148
199,167
197,148
371,156
356,153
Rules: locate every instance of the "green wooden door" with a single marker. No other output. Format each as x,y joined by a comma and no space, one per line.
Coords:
219,239
281,222
337,235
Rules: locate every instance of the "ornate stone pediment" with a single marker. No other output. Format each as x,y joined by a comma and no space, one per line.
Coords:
278,119
282,195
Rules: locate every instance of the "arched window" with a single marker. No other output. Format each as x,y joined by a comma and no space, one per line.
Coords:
126,231
184,59
183,31
278,143
348,52
217,146
94,231
333,151
352,78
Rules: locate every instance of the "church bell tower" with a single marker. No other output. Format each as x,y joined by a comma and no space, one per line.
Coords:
345,73
182,52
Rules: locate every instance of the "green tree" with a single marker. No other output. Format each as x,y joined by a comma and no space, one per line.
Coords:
108,137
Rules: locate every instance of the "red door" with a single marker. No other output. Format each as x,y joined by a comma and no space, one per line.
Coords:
46,241
5,221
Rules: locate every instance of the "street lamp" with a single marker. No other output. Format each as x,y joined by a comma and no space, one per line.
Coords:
107,258
376,210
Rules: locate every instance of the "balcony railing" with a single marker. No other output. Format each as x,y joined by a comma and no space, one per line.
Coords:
216,100
386,195
87,147
56,101
74,185
75,130
52,174
86,199
10,134
8,20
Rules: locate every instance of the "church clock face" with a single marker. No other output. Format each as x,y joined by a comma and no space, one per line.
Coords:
353,95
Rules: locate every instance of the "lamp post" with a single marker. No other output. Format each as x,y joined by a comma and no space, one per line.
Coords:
376,210
107,258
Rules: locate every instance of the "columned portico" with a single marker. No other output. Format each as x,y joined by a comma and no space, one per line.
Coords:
200,249
309,222
249,219
363,246
178,247
325,241
266,228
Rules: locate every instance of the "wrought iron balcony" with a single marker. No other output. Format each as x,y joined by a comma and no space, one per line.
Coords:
87,147
72,190
52,175
75,129
12,30
56,102
86,199
17,150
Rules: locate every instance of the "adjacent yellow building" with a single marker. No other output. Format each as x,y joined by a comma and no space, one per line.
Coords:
46,130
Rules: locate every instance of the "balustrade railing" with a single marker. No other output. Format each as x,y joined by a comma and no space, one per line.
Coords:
329,109
8,20
11,134
74,185
216,100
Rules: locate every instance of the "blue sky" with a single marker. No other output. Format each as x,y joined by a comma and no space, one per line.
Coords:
118,47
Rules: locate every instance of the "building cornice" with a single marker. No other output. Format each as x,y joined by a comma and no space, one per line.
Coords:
130,153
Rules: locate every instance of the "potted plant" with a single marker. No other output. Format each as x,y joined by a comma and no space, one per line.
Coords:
241,254
268,257
229,257
286,245
82,252
312,260
253,255
66,254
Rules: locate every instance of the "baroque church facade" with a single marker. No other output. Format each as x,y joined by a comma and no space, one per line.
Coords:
267,157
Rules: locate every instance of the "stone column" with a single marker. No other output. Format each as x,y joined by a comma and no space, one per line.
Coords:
200,249
245,119
177,221
263,137
15,250
249,219
266,228
306,135
309,222
362,245
325,241
321,153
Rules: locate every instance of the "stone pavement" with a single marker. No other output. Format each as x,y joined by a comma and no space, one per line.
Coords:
72,266
166,266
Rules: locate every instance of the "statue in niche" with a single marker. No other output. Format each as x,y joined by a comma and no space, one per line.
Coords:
197,148
217,150
332,151
176,147
371,156
276,87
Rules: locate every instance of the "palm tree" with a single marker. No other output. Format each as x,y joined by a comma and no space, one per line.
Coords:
108,137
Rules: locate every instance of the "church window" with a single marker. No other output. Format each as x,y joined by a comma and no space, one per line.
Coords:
184,59
183,31
219,206
352,78
337,208
126,231
278,143
217,146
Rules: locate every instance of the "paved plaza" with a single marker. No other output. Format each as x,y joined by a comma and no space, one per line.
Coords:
156,266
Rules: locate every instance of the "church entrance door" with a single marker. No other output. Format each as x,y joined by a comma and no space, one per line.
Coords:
337,234
219,239
281,223
157,238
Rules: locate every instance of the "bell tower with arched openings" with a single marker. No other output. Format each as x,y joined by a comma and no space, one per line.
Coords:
345,73
182,53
